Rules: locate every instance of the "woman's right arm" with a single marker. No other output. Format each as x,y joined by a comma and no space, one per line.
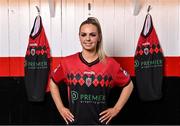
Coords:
65,112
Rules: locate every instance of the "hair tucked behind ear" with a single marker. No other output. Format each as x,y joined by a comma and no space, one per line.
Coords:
94,21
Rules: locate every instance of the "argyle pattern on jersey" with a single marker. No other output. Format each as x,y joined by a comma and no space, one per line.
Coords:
81,79
148,62
37,64
154,48
41,50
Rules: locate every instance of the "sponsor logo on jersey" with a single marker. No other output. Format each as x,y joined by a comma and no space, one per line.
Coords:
56,68
36,65
136,63
87,98
148,64
33,44
124,72
74,96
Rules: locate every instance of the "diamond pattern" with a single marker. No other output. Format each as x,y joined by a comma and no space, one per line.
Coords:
75,81
156,50
99,77
28,52
102,83
81,79
141,52
95,82
152,49
42,52
38,51
78,77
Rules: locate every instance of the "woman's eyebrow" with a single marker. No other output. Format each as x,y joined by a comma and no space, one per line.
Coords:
89,32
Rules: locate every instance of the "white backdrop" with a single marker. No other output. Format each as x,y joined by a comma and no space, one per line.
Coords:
120,27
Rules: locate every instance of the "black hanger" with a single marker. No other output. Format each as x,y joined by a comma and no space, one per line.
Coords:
38,10
89,8
149,8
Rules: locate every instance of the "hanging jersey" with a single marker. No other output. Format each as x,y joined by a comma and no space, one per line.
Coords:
149,63
89,85
37,62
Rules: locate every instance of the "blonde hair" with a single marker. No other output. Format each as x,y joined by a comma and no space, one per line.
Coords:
94,21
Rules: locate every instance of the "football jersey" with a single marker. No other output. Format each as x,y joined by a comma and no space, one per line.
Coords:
149,63
89,85
37,63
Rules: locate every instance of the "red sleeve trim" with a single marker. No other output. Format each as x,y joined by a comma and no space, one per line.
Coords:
54,81
126,84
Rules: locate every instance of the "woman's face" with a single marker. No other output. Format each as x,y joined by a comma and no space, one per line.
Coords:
89,37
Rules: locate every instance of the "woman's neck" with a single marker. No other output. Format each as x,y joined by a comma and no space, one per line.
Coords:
89,56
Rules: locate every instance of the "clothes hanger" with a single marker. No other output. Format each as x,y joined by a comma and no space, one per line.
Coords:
89,9
149,8
38,10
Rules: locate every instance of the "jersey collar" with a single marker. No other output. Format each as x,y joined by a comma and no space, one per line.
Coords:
87,63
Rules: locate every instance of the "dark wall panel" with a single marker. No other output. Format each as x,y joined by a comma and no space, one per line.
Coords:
15,109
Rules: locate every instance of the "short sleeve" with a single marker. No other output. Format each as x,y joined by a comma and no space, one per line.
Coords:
121,77
58,74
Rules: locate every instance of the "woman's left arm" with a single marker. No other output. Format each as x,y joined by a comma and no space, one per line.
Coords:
109,113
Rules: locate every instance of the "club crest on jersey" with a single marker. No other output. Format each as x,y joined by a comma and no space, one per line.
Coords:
146,51
89,79
33,52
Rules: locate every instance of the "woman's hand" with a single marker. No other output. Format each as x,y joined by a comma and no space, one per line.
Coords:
67,115
108,114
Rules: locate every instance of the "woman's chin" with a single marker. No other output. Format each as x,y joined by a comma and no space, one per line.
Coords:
89,49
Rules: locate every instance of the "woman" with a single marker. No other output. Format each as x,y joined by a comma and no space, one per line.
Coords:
90,75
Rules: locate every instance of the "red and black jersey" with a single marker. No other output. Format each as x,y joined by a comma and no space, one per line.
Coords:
89,85
149,63
37,62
